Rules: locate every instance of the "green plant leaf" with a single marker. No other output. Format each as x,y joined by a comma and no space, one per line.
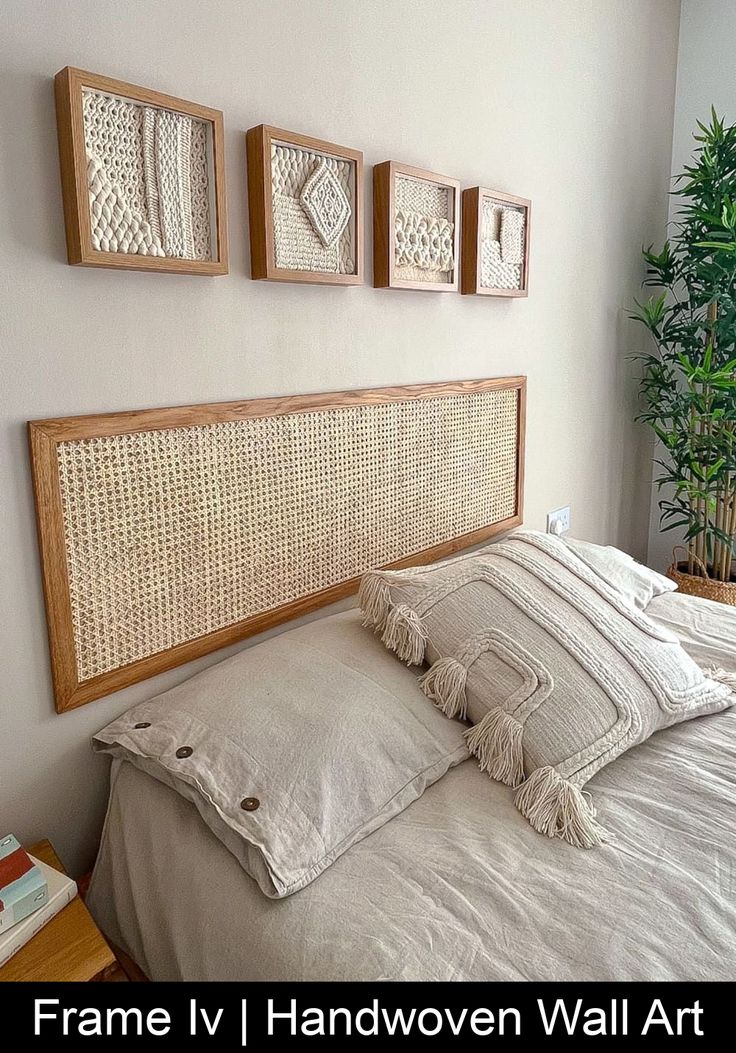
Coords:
688,379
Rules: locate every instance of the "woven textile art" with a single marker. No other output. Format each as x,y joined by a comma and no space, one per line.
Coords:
114,226
423,231
148,179
326,204
558,673
502,245
311,195
172,534
424,243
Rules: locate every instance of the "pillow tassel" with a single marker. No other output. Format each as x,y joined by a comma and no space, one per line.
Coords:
721,676
374,600
496,741
404,633
444,683
556,807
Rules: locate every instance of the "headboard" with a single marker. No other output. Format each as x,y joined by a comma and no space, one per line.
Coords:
168,533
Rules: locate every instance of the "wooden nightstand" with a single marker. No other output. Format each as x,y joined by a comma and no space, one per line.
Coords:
69,947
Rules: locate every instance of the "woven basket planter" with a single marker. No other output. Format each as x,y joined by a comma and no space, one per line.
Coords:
697,585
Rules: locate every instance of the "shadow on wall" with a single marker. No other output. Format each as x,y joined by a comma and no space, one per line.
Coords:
30,167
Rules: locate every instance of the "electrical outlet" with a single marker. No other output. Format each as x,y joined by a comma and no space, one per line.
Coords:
558,522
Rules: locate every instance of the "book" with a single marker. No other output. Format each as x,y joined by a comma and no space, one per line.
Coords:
61,890
23,887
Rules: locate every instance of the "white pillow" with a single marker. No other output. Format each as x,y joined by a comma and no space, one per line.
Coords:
639,584
294,749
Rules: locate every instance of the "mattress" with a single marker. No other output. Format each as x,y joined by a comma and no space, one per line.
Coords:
458,886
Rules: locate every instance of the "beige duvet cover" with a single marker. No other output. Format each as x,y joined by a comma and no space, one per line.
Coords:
458,886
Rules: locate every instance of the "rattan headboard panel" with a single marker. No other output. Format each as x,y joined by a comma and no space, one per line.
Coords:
168,533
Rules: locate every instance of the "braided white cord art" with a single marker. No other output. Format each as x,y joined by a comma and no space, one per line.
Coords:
312,210
114,226
502,245
423,231
148,179
423,242
326,204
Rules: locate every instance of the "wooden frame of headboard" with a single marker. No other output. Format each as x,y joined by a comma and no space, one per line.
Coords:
45,437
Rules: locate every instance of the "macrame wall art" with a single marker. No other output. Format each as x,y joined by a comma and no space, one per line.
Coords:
495,259
415,228
306,208
142,177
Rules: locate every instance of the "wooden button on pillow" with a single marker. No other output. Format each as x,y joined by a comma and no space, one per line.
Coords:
294,749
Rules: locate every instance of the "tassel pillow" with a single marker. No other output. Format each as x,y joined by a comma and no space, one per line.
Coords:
557,671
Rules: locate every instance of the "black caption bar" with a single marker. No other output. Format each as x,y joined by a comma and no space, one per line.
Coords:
237,1016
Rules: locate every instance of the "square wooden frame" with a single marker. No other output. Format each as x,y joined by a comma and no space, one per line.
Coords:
384,211
68,84
260,207
471,263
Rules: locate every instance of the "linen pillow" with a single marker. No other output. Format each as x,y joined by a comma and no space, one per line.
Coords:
638,583
556,670
294,749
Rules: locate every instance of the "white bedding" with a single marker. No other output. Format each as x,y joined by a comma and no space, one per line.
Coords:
707,630
458,886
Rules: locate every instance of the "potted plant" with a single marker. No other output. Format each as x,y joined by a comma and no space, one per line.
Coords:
689,381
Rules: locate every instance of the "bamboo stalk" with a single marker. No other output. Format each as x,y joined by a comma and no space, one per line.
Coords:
731,533
701,547
707,431
730,519
719,549
692,548
692,543
724,524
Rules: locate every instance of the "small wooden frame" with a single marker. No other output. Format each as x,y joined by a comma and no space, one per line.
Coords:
254,513
264,247
387,273
473,236
70,83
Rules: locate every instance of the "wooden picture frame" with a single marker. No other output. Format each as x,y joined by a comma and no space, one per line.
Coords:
388,272
53,442
473,244
270,244
70,86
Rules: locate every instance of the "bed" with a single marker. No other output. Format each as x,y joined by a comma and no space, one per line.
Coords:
455,887
221,521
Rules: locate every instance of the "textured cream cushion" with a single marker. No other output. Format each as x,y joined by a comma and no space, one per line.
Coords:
294,749
558,672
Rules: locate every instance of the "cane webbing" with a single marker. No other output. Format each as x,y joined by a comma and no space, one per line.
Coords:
175,533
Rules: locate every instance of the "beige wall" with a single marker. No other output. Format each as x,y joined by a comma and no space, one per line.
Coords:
705,78
568,103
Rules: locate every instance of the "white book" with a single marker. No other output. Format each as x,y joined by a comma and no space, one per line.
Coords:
62,890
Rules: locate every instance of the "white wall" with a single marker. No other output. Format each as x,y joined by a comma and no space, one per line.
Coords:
567,103
705,78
